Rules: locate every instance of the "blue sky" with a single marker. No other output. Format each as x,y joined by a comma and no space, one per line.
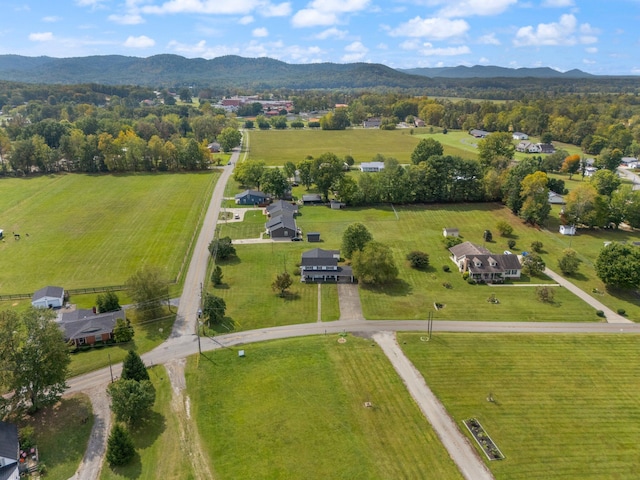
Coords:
597,36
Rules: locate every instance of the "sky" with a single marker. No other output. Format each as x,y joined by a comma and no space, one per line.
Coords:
596,36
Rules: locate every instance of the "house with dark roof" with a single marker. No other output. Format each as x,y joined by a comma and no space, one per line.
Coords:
320,265
9,452
48,297
484,266
280,206
312,199
252,197
282,226
84,327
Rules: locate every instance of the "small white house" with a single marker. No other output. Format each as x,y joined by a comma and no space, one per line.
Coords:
568,229
556,199
371,166
450,232
48,297
520,136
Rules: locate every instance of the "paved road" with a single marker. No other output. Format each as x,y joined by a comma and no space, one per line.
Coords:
461,451
625,172
610,315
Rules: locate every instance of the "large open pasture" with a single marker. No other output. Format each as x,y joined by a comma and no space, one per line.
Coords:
276,147
295,409
81,231
565,405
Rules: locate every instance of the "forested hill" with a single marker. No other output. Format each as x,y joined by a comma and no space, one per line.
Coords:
490,71
172,70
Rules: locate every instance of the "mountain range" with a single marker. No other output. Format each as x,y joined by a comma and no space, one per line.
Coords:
257,73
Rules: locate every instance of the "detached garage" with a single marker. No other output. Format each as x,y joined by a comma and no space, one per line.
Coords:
48,297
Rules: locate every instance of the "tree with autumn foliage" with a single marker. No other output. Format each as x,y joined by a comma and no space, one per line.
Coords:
571,165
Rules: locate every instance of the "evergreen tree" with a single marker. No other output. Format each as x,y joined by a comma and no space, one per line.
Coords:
120,447
133,368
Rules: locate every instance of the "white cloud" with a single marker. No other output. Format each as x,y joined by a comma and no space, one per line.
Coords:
313,18
281,10
51,19
483,60
260,32
432,28
556,33
489,39
587,61
331,33
326,12
201,49
220,7
126,19
470,8
429,50
356,51
41,37
246,20
558,3
139,42
88,3
591,50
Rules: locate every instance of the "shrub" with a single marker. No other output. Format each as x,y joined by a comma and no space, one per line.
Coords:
471,281
545,294
536,246
504,228
418,260
511,243
446,268
600,313
446,285
451,241
487,236
465,275
621,311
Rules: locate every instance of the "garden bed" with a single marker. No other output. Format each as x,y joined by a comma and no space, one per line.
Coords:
483,439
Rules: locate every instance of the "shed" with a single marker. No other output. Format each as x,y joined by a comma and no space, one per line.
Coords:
48,297
556,199
568,229
336,205
450,232
312,199
313,237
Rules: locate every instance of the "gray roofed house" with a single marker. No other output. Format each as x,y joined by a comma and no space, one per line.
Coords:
48,297
484,266
312,199
9,452
282,226
280,206
83,327
319,265
478,133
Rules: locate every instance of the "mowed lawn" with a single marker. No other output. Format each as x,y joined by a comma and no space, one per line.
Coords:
295,409
160,453
276,147
566,406
84,231
420,228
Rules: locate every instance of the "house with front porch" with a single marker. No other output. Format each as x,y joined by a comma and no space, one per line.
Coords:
484,266
321,266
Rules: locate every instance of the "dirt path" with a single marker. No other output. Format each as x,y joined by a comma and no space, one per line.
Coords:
91,464
459,448
180,404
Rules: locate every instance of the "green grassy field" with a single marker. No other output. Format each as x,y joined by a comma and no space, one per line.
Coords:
276,147
565,405
159,451
61,433
86,231
295,409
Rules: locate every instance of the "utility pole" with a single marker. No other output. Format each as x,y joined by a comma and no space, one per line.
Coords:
110,370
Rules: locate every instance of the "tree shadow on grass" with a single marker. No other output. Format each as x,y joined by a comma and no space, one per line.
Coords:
290,296
577,276
397,288
133,469
147,429
233,260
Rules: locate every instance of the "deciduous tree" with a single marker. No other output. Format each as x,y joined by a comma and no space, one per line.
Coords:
108,302
123,331
618,265
282,282
418,260
571,165
148,289
222,248
131,400
213,309
354,238
229,138
427,147
496,146
533,265
569,262
374,264
34,358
